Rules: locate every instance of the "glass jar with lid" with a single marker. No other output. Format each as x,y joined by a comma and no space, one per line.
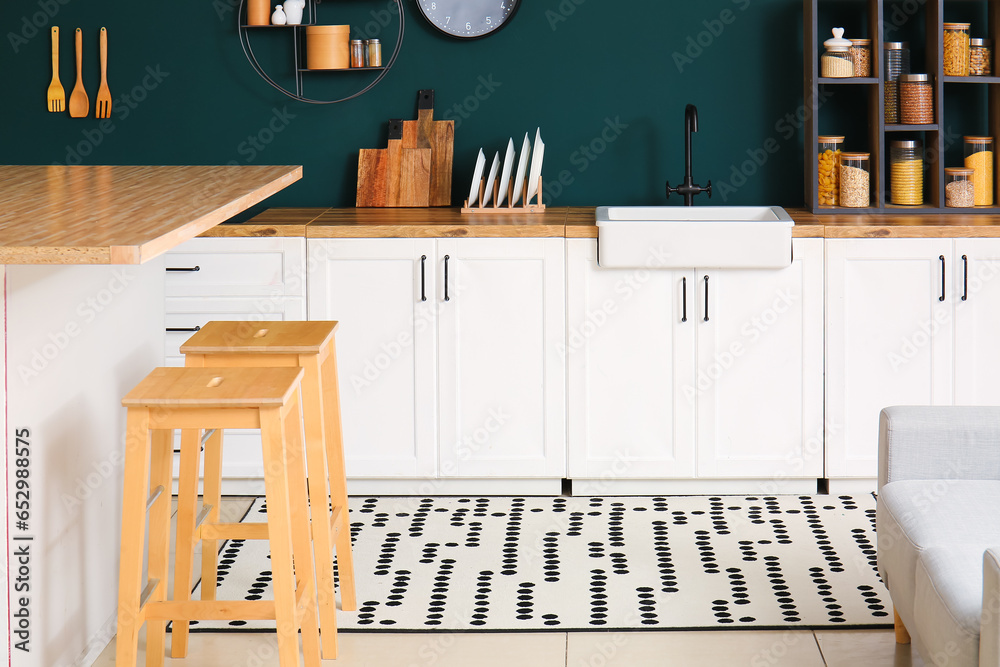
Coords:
836,61
959,190
956,49
916,99
980,57
861,56
979,158
854,180
897,63
828,187
906,172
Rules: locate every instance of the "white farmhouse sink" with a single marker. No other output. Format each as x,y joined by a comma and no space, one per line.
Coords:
685,237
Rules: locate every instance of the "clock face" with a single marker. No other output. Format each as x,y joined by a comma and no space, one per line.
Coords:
468,19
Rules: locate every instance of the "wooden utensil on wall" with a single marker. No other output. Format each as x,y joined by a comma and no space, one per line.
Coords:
439,136
79,103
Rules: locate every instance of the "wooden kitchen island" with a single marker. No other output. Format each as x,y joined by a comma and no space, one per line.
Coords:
82,301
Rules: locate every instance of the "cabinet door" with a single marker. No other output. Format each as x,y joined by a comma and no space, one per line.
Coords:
759,381
385,349
888,340
237,267
629,354
977,321
502,376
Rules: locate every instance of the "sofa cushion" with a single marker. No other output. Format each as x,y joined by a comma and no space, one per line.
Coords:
913,515
948,603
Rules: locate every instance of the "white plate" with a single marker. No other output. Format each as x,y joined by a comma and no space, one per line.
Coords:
537,155
477,176
522,168
488,193
508,166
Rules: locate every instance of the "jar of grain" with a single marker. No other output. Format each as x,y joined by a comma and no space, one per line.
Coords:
980,57
897,63
836,61
979,158
916,99
956,49
861,56
854,191
959,190
828,187
906,171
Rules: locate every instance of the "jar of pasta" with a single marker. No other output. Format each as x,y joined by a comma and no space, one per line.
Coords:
956,49
854,180
828,187
906,171
979,158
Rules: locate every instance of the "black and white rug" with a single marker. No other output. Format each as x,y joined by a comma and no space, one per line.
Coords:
571,564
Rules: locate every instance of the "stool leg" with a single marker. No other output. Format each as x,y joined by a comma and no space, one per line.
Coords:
133,535
160,476
211,494
302,545
279,534
338,478
319,503
187,508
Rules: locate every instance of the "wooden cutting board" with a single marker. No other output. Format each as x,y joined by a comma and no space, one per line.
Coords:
372,179
395,176
439,137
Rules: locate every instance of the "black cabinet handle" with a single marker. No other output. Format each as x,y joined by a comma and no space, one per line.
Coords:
446,297
183,329
423,288
706,298
684,299
184,269
965,278
941,298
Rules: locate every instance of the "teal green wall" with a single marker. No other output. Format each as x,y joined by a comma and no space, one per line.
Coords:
576,68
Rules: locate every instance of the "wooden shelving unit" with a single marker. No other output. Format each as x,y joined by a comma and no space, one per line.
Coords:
880,134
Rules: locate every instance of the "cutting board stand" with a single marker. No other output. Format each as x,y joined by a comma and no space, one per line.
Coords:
523,206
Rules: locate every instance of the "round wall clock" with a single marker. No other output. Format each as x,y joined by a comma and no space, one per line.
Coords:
468,19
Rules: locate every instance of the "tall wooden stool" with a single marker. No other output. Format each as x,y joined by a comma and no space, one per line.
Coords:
306,345
205,398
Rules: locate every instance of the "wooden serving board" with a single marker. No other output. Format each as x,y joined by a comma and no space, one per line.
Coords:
439,137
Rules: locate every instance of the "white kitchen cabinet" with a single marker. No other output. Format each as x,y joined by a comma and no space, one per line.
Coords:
889,340
660,387
501,374
977,321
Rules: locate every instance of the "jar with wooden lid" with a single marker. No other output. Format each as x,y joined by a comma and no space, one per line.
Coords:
854,180
980,57
956,49
959,190
979,158
836,62
897,63
828,187
906,172
861,56
916,99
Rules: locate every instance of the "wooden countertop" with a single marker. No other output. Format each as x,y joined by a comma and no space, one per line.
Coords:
121,214
572,222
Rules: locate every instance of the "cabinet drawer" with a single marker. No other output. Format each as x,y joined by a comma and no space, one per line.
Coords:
236,267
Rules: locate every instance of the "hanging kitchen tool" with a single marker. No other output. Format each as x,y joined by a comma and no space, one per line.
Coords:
79,103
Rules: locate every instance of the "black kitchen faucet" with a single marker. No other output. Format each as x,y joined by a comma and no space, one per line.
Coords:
688,189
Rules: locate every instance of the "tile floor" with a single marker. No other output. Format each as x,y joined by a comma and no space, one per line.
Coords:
793,648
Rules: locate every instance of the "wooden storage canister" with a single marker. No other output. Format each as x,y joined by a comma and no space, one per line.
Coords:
328,46
916,99
258,12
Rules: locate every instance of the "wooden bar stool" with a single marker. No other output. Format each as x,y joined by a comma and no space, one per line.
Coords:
204,398
306,345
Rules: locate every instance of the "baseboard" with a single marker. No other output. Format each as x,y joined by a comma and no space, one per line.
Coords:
853,485
678,487
96,645
454,487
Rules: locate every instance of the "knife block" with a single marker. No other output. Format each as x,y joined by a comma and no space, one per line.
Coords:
523,206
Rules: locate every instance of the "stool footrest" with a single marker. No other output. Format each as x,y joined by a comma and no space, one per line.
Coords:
205,510
336,521
147,591
157,492
211,610
233,531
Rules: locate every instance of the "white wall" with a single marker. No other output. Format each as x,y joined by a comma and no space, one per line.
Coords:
78,339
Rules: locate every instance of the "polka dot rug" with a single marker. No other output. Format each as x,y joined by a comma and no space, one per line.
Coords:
568,564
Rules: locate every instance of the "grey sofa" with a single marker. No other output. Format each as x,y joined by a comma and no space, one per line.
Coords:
938,521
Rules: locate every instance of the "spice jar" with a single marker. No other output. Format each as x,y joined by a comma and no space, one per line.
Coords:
374,53
906,171
828,187
836,61
979,158
959,190
357,53
956,49
897,63
861,56
854,192
916,99
980,57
